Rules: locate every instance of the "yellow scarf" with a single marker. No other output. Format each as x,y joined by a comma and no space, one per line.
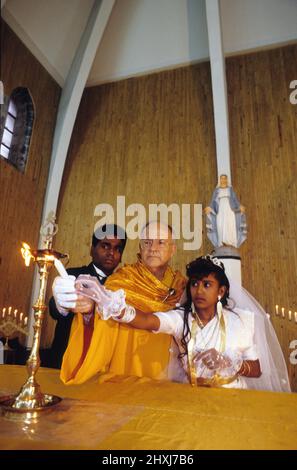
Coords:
120,349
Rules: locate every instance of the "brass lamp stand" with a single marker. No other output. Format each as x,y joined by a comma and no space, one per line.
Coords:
30,399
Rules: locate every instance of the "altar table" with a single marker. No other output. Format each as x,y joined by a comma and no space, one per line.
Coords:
132,414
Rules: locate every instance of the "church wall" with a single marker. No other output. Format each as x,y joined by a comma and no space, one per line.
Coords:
263,129
22,194
151,139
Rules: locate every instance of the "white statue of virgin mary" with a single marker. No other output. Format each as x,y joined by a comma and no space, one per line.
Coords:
226,221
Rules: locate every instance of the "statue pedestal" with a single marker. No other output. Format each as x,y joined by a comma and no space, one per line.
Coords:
230,257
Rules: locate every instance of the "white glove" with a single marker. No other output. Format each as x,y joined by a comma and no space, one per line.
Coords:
226,365
64,294
110,304
235,361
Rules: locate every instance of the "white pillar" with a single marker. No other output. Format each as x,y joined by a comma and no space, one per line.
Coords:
228,255
219,88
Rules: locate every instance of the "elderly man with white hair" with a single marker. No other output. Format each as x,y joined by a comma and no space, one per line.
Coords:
150,285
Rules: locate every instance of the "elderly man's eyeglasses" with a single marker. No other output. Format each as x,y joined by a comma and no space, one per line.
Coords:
158,244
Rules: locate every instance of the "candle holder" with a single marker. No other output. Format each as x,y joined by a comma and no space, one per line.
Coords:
30,399
10,325
291,316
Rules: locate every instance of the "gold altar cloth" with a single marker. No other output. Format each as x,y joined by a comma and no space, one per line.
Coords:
130,413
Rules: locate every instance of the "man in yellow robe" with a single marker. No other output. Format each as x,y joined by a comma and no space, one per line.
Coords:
150,285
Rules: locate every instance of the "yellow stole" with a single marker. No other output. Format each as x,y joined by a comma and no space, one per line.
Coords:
118,348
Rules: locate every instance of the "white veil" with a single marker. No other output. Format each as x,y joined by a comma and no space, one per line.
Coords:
273,366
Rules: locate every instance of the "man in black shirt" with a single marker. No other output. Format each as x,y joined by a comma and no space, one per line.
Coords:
108,243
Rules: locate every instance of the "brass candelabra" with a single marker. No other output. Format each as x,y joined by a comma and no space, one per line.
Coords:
12,323
30,399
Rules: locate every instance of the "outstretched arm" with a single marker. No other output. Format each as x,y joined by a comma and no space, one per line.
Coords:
81,295
141,320
112,304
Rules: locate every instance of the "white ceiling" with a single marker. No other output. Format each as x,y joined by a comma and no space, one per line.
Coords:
50,29
145,35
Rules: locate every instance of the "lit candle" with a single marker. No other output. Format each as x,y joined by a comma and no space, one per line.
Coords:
290,315
25,321
60,268
3,312
21,317
295,315
276,310
9,310
283,312
15,313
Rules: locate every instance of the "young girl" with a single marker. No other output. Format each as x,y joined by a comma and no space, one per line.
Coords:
215,344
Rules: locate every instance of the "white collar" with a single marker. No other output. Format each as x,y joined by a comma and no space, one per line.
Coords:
99,272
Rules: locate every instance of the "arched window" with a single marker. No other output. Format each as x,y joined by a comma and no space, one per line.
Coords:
17,129
9,125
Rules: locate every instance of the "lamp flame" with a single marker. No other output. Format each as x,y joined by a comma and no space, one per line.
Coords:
26,253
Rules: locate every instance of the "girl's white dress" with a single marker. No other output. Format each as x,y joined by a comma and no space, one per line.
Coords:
239,339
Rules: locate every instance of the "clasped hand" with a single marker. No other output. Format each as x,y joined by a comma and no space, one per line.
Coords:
211,362
213,359
81,295
67,299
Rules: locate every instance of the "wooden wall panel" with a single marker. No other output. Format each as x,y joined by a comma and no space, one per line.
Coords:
263,129
21,195
286,330
150,139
